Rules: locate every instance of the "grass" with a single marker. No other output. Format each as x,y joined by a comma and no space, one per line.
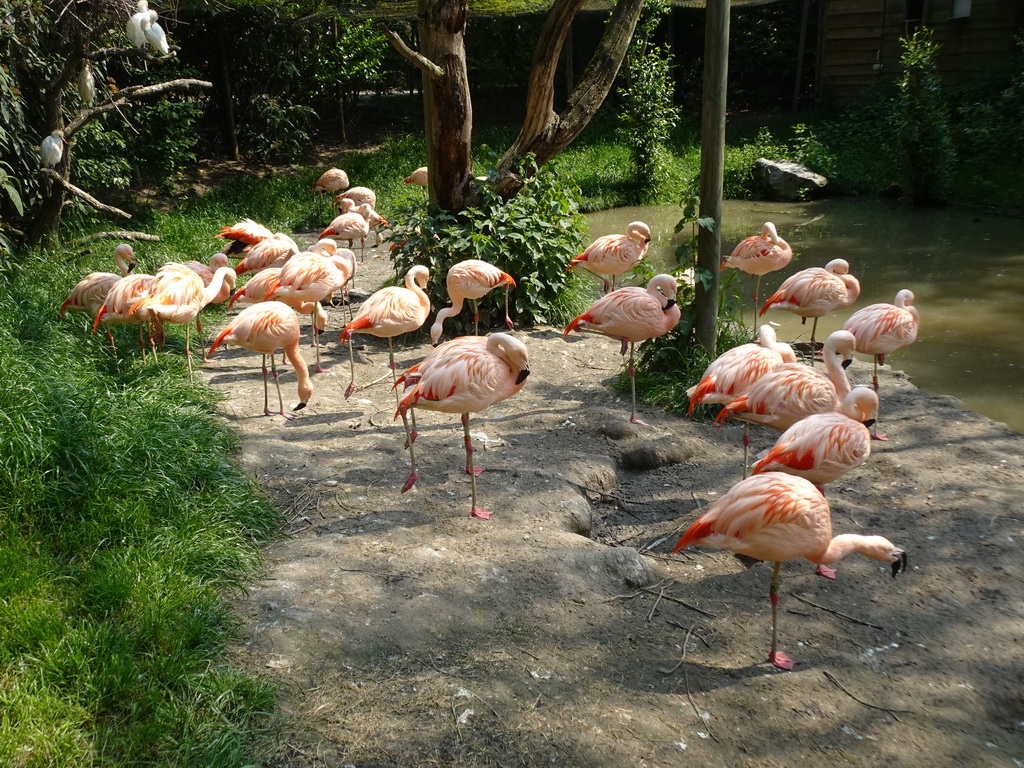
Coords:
124,524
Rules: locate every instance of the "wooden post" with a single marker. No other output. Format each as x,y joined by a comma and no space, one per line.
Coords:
712,166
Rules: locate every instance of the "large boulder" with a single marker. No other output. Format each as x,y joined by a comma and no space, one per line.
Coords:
786,180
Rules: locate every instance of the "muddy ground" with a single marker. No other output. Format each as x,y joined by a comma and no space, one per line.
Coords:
563,631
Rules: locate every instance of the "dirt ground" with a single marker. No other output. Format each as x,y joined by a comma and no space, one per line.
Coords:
563,631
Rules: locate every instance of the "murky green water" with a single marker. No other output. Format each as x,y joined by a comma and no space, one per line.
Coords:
966,269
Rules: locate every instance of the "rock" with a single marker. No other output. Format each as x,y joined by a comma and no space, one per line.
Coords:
786,180
625,566
651,454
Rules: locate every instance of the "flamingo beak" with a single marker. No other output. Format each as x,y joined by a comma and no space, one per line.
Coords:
846,363
522,375
671,303
869,423
900,563
298,406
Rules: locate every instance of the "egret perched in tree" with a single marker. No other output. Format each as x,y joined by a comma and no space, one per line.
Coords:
52,149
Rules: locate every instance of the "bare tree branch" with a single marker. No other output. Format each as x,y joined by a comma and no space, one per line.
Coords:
117,235
417,59
129,94
84,195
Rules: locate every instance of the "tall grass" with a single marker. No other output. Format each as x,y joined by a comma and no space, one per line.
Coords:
122,525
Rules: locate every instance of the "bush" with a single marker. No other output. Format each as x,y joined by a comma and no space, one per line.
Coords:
533,236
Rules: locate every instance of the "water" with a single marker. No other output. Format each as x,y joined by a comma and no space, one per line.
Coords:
966,269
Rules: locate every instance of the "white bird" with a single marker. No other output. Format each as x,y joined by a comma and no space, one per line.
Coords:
137,24
156,36
86,84
52,149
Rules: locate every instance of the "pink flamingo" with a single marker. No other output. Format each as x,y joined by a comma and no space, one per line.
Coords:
465,375
349,226
308,277
271,252
118,303
177,295
760,254
614,254
815,292
331,180
358,195
734,371
884,328
207,271
265,328
631,315
247,233
266,280
776,516
471,279
91,291
420,178
793,391
388,313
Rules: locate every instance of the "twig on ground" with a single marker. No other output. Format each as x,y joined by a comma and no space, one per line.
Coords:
637,593
680,626
654,607
683,657
684,604
375,381
859,700
837,613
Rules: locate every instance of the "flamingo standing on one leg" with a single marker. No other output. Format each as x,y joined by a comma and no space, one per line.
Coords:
388,313
611,255
631,315
471,279
465,375
758,255
734,371
884,328
775,516
792,391
815,292
91,291
265,328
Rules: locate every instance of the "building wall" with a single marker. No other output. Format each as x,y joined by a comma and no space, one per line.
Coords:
860,39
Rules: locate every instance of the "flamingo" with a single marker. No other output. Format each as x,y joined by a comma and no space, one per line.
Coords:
358,195
349,226
177,295
118,304
824,446
309,277
471,279
776,516
270,252
91,291
792,391
631,315
815,292
265,328
420,177
614,254
247,233
760,254
465,375
734,371
388,313
266,280
331,180
207,271
884,328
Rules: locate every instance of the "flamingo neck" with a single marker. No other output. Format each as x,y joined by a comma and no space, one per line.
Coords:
291,351
122,264
219,277
836,373
873,547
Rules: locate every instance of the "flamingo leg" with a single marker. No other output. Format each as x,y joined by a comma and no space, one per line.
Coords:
476,318
814,344
776,657
352,367
508,320
746,447
409,439
266,390
188,346
319,368
757,290
632,386
277,383
874,383
474,511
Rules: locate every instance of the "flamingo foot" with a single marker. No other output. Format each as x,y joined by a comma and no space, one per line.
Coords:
476,471
350,389
321,369
510,325
268,412
635,420
483,514
780,660
828,573
413,477
883,438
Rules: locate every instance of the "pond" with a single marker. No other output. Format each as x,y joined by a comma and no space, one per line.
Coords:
965,267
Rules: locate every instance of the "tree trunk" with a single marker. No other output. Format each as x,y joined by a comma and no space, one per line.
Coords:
712,167
450,121
545,133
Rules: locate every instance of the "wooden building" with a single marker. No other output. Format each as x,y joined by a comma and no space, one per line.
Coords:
859,45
